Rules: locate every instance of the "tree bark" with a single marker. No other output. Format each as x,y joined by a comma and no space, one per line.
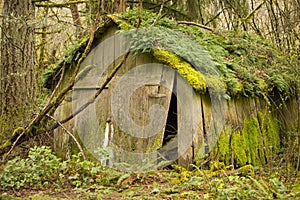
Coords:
17,66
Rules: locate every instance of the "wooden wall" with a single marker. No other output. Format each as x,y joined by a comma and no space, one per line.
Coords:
207,127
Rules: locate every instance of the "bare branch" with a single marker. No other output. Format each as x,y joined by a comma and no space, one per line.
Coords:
70,134
59,5
196,24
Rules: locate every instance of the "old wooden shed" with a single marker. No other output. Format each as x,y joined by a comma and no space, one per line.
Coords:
181,95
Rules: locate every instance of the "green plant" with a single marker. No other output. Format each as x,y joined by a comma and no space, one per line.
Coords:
249,64
40,168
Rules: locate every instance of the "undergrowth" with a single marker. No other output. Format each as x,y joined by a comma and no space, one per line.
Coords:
42,170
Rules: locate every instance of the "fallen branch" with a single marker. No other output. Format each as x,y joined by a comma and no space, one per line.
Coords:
196,24
70,134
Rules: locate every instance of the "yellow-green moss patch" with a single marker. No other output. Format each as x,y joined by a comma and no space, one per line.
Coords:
238,148
256,142
121,23
194,77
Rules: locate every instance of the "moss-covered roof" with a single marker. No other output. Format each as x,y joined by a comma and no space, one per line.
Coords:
248,64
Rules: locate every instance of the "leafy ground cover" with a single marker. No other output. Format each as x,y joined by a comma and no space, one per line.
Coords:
41,175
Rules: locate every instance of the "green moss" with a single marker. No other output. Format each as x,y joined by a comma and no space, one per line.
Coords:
122,23
253,141
17,131
183,173
273,130
216,83
257,143
216,166
246,170
7,144
157,142
271,135
222,150
194,77
238,148
199,154
71,56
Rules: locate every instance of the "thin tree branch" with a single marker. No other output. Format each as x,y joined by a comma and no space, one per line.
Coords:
196,24
252,12
69,133
59,5
57,86
159,13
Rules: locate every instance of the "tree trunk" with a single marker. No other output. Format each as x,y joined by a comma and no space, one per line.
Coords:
17,67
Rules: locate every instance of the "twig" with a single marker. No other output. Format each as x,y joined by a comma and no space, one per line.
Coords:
59,5
69,133
196,24
57,86
253,12
159,13
215,17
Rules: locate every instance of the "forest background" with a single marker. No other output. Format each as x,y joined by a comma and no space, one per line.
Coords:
36,34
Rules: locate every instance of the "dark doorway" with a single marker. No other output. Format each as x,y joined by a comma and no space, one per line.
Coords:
170,139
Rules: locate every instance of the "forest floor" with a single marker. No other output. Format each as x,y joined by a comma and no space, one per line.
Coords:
41,175
171,184
167,185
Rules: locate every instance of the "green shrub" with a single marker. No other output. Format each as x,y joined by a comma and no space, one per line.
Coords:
42,168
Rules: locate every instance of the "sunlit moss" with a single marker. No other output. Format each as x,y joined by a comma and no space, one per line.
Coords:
247,170
223,150
216,166
252,137
7,144
17,131
184,174
194,77
271,134
238,149
157,143
122,23
257,143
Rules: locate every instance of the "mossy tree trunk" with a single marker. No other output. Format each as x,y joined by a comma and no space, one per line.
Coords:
17,67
